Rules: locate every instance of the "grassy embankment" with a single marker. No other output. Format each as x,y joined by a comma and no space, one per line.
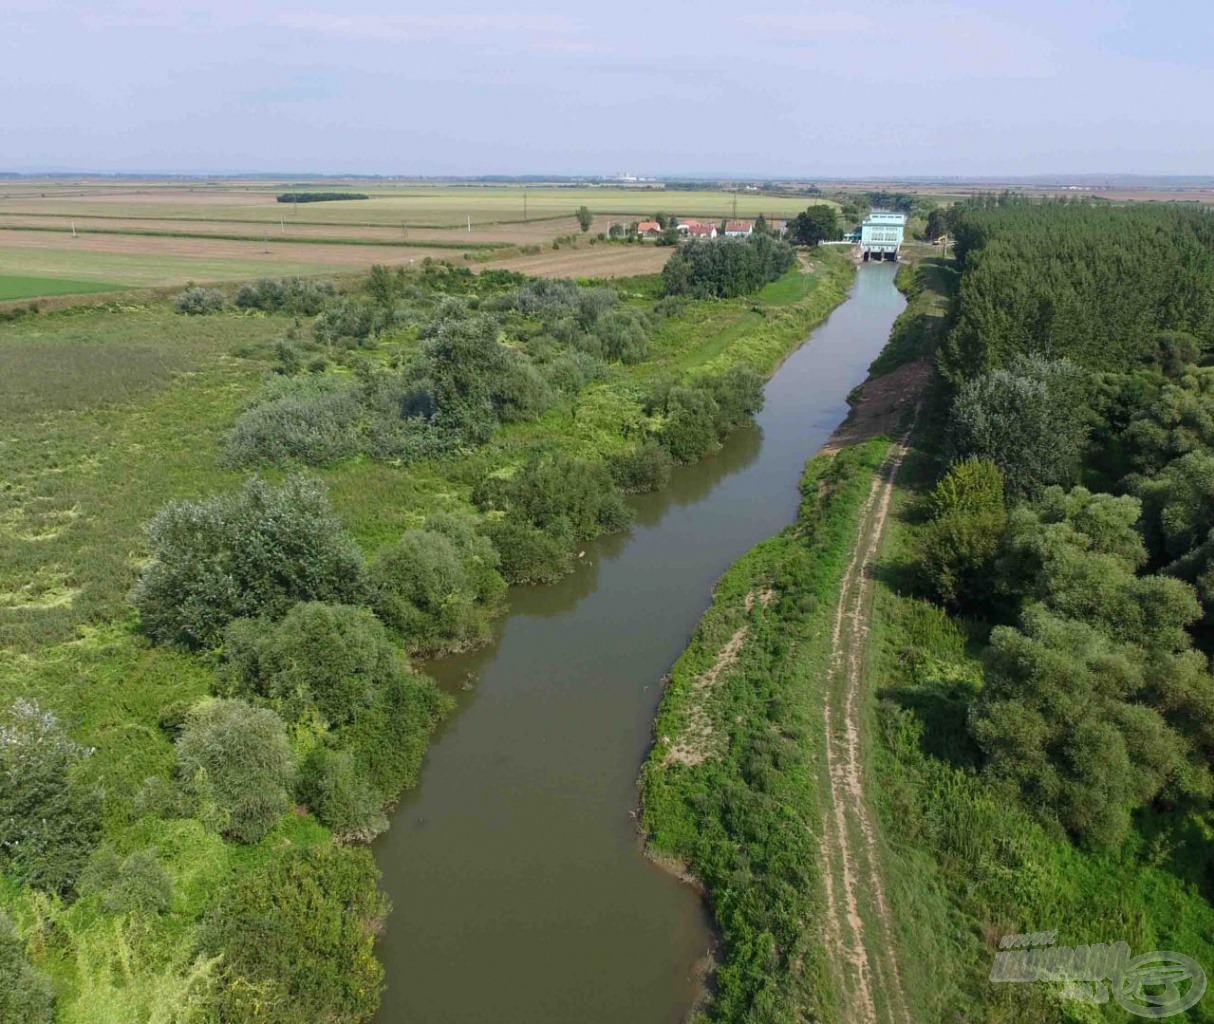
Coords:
114,412
733,792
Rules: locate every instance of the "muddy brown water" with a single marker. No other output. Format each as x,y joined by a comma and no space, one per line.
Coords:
520,891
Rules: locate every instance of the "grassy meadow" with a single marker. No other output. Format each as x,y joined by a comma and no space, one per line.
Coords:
113,411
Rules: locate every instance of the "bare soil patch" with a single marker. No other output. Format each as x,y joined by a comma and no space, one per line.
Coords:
881,405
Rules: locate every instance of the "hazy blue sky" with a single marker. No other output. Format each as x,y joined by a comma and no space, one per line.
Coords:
747,86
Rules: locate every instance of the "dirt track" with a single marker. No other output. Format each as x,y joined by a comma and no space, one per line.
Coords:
859,926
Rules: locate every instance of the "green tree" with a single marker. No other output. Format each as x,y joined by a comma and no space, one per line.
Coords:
320,661
816,224
235,757
959,544
254,552
584,218
1028,419
49,819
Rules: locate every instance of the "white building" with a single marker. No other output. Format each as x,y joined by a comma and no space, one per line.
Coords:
881,234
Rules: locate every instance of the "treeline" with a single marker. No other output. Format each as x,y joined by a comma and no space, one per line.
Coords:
319,197
726,267
1076,511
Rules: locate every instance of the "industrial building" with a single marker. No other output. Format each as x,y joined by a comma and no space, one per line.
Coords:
881,234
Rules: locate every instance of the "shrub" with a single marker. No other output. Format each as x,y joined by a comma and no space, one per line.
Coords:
195,301
296,936
288,295
49,821
520,392
346,322
390,738
332,785
642,469
320,659
26,996
437,585
690,430
623,334
958,546
528,554
134,884
236,757
573,370
254,552
739,395
552,491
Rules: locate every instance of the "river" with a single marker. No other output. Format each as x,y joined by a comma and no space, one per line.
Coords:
519,888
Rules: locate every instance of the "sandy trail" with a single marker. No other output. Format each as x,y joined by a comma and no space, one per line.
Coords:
859,926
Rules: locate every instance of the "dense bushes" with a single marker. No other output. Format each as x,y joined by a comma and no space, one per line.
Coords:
726,267
253,552
25,995
642,469
49,818
959,543
550,503
699,415
296,935
288,295
235,761
320,661
438,586
136,884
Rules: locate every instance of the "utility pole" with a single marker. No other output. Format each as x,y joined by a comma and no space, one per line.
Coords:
469,223
524,204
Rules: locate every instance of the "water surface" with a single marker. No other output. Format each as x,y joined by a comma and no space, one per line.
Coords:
520,893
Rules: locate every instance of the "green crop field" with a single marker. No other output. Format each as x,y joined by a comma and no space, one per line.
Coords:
15,286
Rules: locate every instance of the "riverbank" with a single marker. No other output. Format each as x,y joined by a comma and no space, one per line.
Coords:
754,785
112,421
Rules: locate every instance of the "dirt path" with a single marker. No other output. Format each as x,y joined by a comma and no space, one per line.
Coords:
859,926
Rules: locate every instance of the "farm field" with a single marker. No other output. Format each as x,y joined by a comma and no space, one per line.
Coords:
134,234
16,286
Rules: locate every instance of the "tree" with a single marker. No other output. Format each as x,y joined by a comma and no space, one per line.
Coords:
761,226
584,218
235,758
49,820
325,661
817,223
1028,419
1067,716
958,545
254,552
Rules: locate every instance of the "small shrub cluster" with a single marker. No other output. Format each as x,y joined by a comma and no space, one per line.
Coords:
196,301
136,884
235,761
699,415
286,295
438,586
296,938
549,504
26,996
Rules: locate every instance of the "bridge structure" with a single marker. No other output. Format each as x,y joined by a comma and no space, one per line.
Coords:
881,234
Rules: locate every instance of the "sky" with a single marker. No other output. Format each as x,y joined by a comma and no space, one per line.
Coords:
665,87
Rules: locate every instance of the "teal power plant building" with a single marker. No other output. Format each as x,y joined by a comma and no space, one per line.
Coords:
881,234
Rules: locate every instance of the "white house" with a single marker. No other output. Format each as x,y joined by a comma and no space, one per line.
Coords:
881,234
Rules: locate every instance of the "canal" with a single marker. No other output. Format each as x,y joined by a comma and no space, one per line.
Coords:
519,887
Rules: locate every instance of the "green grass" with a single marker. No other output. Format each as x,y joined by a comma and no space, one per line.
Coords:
138,270
109,413
746,820
13,286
